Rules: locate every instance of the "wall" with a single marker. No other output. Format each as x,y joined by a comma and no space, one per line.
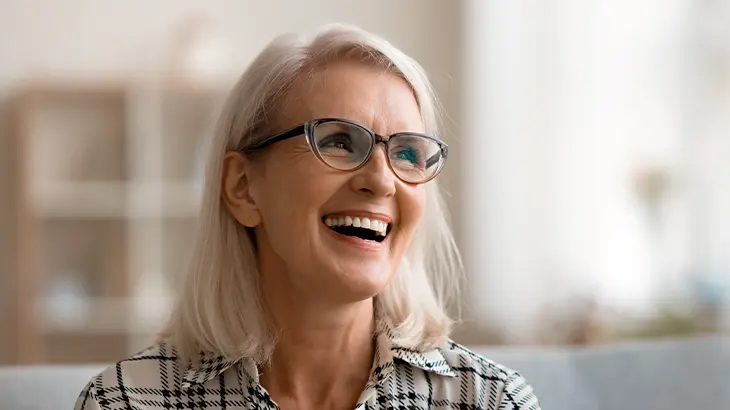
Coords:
569,105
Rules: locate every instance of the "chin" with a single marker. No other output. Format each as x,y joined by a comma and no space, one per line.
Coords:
364,286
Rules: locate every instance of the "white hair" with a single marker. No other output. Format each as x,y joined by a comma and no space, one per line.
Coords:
220,309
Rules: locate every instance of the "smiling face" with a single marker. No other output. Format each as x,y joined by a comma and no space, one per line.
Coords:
311,221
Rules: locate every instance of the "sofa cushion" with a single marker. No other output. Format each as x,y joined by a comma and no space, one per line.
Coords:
43,387
668,375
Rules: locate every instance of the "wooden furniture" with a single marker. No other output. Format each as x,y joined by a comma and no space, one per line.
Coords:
109,184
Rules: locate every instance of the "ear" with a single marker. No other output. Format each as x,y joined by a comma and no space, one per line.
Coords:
236,190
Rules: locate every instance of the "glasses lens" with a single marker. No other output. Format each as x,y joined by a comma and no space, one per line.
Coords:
415,158
341,145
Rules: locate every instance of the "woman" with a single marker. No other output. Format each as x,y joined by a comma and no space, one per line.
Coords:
324,258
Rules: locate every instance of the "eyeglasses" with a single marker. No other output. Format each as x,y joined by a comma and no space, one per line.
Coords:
347,146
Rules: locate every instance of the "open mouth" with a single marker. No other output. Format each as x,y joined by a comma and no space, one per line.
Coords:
360,227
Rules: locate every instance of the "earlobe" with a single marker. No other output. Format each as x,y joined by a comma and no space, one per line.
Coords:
236,190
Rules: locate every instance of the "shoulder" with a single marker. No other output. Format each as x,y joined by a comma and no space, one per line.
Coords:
496,383
155,369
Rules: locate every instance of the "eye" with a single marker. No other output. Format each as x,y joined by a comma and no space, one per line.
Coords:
408,155
338,141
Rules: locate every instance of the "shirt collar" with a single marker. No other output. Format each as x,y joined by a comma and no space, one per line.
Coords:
386,343
387,353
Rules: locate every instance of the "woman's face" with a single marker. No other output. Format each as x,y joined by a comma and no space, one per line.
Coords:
290,198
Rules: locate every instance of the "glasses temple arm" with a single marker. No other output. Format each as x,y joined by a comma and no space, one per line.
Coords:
290,133
433,159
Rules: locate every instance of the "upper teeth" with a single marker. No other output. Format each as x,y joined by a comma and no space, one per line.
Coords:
379,227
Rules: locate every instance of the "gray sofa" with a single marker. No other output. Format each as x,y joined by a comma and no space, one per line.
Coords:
667,375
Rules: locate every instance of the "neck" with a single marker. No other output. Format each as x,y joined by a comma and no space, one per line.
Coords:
323,354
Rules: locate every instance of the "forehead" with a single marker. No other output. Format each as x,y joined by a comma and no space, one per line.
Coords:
354,91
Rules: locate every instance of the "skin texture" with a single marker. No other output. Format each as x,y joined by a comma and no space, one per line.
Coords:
317,287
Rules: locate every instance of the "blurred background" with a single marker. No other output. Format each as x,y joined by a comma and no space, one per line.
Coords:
589,175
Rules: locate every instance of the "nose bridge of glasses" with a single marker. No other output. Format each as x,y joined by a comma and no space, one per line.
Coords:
381,139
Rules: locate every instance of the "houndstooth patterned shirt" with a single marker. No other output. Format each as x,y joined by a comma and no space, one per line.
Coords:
449,377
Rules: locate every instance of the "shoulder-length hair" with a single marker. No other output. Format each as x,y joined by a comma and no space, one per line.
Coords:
220,310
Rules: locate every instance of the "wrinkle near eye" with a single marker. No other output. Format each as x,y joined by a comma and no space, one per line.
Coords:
297,154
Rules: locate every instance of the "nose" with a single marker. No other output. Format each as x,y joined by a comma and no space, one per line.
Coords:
375,177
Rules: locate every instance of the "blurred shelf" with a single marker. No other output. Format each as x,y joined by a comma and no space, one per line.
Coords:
179,198
107,195
80,199
78,348
122,200
104,316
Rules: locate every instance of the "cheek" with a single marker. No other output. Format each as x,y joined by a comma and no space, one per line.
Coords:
412,204
290,198
282,204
